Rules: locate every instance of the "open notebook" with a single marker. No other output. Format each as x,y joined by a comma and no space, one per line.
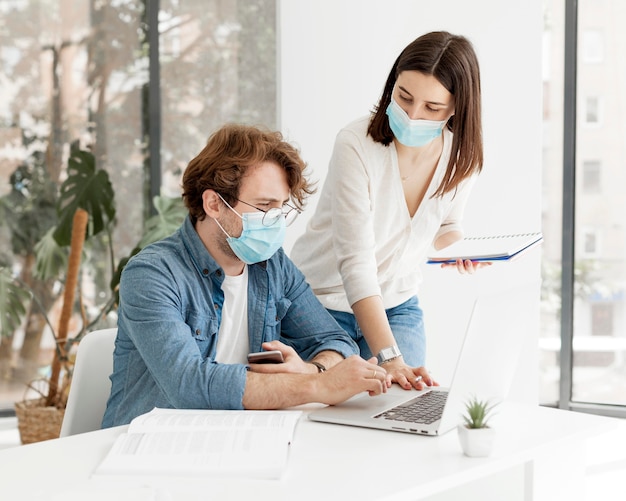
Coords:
487,248
485,368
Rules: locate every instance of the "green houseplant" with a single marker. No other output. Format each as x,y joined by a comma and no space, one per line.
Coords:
85,208
475,434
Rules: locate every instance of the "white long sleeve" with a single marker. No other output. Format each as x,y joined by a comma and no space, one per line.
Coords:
361,241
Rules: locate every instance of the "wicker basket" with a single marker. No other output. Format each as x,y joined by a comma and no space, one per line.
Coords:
36,422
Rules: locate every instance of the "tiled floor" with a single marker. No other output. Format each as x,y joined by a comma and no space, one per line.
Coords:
606,460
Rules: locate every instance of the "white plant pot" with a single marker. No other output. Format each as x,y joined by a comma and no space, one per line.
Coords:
476,442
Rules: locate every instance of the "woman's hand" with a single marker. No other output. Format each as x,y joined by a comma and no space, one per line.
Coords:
406,376
468,266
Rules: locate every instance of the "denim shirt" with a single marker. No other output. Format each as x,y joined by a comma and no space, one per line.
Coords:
169,315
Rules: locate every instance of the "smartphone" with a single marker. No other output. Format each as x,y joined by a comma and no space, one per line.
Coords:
265,357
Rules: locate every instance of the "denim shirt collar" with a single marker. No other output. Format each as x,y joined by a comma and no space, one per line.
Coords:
202,258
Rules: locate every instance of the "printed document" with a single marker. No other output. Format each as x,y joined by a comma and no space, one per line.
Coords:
250,444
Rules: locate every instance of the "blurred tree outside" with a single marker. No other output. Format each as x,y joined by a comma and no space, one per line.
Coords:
78,72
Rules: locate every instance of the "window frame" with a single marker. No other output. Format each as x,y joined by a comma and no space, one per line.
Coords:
569,223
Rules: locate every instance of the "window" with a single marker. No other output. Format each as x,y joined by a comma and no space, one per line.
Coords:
591,176
592,46
584,265
592,110
602,317
83,75
590,243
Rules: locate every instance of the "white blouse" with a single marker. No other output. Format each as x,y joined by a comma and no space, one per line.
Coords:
361,240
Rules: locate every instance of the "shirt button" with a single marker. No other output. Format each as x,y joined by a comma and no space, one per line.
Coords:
198,332
205,271
216,306
218,273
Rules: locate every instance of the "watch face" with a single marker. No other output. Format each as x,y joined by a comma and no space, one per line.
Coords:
388,353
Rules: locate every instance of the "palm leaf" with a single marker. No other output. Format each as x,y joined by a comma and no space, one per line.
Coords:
12,303
171,212
51,258
86,188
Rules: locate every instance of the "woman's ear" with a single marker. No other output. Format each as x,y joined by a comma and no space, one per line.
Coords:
211,203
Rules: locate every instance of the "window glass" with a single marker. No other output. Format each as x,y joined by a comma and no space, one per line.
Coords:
72,74
599,320
77,73
599,362
591,176
590,243
218,64
592,110
592,46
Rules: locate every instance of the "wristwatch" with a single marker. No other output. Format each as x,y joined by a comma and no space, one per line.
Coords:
320,367
388,354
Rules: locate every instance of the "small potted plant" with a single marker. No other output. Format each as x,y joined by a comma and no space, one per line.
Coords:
475,434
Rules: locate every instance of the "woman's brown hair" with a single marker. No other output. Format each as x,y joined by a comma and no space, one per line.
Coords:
452,61
225,159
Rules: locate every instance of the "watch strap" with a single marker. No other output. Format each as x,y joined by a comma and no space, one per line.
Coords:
388,354
320,367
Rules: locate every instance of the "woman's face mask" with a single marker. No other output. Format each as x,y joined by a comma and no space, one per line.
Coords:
412,132
257,242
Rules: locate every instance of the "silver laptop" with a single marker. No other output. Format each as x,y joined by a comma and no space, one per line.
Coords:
485,368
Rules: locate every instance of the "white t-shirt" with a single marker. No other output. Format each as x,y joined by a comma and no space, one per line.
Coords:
233,343
361,241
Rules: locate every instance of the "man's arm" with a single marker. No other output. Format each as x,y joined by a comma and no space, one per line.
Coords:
307,326
345,379
326,359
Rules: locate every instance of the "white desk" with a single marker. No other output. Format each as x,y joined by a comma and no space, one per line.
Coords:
335,462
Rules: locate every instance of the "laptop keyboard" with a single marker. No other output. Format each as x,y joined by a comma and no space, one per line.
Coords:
423,409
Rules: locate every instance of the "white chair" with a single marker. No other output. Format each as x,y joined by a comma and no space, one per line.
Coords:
91,385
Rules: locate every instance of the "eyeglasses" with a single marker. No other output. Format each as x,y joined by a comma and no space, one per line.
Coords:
272,215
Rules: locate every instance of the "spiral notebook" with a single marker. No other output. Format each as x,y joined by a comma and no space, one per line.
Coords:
487,248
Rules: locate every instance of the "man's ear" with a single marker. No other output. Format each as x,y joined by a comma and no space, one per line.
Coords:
211,203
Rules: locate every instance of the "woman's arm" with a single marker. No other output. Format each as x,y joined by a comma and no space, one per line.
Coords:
372,319
358,187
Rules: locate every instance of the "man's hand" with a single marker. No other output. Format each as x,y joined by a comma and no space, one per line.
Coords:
345,379
293,363
348,378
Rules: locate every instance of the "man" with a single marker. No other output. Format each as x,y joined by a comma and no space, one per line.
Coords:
194,304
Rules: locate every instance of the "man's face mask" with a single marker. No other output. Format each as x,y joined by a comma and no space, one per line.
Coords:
257,241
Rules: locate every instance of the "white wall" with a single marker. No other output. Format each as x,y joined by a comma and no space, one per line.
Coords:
334,58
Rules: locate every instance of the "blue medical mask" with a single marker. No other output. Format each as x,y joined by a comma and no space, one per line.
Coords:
412,132
257,242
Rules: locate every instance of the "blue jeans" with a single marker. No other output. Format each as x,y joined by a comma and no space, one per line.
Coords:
407,324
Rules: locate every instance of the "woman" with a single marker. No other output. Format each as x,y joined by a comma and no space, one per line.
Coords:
397,184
